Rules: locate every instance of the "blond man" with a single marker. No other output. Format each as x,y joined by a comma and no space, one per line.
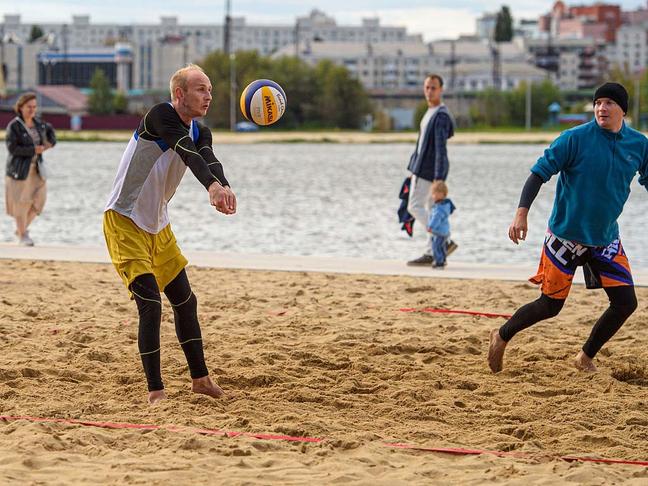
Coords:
140,241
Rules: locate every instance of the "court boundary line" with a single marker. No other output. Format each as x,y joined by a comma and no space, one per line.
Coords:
455,311
290,438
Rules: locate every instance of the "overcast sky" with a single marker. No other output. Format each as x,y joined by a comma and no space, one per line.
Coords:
433,18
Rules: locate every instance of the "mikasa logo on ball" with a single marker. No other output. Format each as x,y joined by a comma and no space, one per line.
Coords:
268,105
263,102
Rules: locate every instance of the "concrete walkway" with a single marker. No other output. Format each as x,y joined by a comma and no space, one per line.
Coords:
299,263
332,136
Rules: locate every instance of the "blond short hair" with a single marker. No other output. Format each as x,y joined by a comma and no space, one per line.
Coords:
440,187
179,78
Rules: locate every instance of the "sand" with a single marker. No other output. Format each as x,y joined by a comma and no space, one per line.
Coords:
317,355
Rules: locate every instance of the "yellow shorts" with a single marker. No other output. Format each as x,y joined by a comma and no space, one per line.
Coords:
135,252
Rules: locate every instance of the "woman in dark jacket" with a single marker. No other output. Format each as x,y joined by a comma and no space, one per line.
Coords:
25,191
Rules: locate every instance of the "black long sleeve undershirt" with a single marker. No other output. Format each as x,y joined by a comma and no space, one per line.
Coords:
530,190
204,145
163,122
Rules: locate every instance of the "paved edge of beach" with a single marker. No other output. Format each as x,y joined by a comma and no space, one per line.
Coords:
285,263
271,136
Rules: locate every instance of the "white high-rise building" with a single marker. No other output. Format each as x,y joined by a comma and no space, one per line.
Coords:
630,52
145,67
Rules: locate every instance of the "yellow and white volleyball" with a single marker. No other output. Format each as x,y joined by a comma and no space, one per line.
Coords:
263,102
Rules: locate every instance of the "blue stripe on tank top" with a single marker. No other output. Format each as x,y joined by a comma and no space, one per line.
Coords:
195,132
161,143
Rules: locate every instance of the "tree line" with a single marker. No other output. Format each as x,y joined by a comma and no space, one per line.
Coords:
320,96
495,108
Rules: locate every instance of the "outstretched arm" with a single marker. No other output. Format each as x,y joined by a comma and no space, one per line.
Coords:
518,229
557,157
163,122
204,145
221,197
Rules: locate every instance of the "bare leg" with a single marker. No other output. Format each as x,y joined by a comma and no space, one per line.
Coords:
496,351
21,225
585,363
156,396
206,386
31,215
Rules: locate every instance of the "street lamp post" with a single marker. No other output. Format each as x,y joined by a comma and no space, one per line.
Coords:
229,52
232,60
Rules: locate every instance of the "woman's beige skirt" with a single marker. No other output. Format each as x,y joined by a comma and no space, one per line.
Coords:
21,196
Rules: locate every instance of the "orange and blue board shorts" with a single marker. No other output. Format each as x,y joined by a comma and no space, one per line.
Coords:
135,252
603,266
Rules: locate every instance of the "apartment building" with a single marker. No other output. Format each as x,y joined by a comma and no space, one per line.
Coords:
154,47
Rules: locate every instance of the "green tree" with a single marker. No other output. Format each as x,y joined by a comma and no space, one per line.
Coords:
382,121
100,101
36,33
120,102
325,95
504,25
341,100
542,95
494,108
297,79
248,66
643,99
623,77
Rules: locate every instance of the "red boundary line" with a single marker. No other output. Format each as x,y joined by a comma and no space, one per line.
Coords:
519,455
290,438
454,311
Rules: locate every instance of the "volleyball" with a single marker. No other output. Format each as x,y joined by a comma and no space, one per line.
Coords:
263,102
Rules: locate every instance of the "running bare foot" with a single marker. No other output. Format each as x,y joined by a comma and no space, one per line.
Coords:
496,351
585,363
206,386
156,396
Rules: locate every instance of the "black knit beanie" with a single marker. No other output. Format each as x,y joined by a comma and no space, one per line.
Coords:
615,92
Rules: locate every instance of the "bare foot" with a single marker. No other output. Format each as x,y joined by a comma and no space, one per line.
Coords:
585,363
206,386
156,396
496,351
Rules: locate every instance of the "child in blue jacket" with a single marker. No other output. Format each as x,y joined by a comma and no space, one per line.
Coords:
439,224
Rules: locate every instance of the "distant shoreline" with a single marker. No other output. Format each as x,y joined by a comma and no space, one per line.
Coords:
271,136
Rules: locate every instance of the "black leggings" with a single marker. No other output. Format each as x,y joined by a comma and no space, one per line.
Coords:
149,305
623,303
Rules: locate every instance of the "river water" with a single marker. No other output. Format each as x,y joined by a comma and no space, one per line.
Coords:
319,199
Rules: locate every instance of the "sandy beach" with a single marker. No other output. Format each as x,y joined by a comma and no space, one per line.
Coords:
327,356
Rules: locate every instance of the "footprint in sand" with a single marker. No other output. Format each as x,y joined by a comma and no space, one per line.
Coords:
101,356
7,375
80,337
30,373
192,444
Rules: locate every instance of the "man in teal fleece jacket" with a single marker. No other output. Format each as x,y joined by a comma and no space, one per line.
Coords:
596,163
